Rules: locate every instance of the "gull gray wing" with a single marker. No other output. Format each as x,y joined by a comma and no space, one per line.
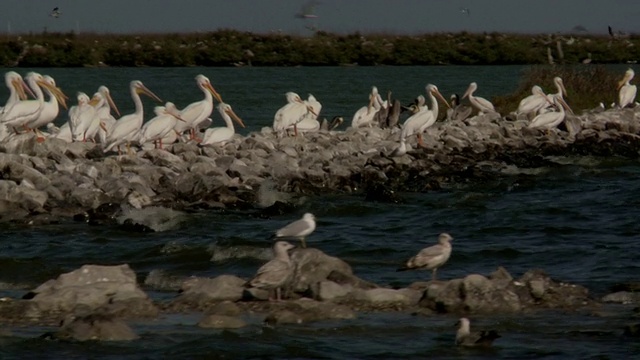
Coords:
296,228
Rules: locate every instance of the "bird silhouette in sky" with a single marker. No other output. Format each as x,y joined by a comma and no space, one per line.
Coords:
55,12
307,10
465,11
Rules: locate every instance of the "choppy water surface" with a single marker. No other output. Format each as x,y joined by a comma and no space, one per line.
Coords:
577,220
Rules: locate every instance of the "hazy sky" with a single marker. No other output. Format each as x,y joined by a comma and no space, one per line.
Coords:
342,16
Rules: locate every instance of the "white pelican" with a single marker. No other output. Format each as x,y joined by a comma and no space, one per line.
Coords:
23,112
417,123
310,122
162,124
551,119
125,130
80,117
103,112
534,102
18,90
50,109
222,134
364,115
291,114
102,118
627,92
483,105
198,111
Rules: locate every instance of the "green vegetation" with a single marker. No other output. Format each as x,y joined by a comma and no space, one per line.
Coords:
586,86
236,48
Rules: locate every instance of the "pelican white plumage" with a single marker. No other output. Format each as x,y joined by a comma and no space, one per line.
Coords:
551,119
18,90
126,129
417,123
219,135
50,108
291,114
310,121
627,92
80,117
364,116
481,104
102,120
561,93
162,124
25,111
534,102
198,111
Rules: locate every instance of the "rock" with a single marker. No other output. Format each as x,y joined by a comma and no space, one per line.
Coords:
630,286
200,291
221,322
95,328
622,297
94,287
380,296
329,291
226,308
158,280
313,266
304,311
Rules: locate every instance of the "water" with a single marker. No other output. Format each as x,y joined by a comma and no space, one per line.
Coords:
577,220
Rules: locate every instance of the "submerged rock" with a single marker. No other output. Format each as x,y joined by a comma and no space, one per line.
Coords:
95,328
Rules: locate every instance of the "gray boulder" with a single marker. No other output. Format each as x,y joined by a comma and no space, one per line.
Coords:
200,293
95,328
221,322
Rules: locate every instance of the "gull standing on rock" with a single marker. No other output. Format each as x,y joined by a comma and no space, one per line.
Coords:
627,92
299,228
431,258
481,104
464,336
277,272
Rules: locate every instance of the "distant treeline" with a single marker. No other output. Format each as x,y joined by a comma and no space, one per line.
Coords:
236,48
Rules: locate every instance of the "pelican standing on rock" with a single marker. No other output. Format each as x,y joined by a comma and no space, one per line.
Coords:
299,228
627,92
551,119
18,90
481,104
364,116
310,121
425,117
276,273
431,258
219,135
26,111
103,115
533,103
464,336
126,129
291,114
198,111
80,117
50,108
162,124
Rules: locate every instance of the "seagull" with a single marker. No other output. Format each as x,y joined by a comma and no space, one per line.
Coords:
431,258
464,336
465,11
275,273
55,12
299,228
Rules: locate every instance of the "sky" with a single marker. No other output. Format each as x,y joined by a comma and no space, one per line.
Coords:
338,16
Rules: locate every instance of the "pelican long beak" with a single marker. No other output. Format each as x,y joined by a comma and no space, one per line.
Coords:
111,103
23,89
370,106
235,117
310,109
144,90
57,93
103,126
439,96
565,105
466,94
564,91
213,91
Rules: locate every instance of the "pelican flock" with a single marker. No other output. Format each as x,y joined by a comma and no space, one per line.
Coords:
34,103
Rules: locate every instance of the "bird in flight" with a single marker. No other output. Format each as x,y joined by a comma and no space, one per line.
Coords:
307,10
465,11
55,12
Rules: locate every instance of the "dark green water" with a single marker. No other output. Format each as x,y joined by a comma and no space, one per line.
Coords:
577,220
